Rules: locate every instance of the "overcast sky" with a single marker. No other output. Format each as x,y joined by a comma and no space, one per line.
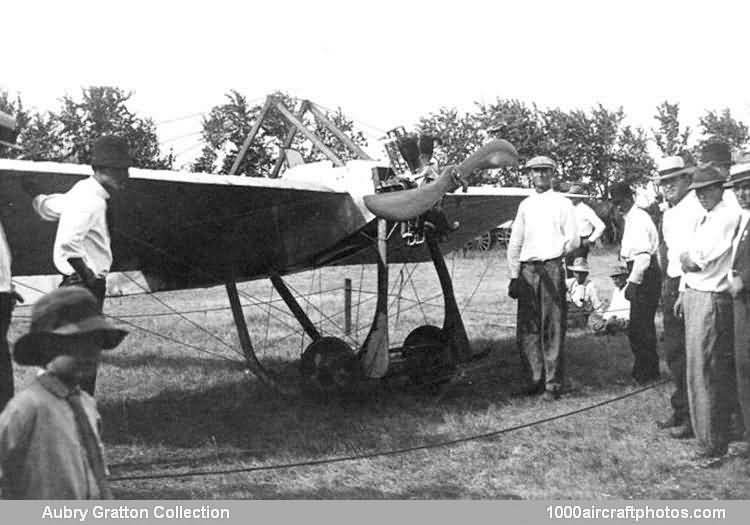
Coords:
384,63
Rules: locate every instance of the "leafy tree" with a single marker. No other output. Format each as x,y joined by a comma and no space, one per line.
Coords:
722,126
668,136
103,110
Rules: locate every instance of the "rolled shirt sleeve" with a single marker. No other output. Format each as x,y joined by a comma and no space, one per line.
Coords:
49,207
597,223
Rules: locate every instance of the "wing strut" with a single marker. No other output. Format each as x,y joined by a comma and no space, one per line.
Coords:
247,346
374,358
294,306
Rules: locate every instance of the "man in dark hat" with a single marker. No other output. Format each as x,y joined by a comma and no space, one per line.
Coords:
707,308
543,232
638,248
82,252
739,287
678,224
50,447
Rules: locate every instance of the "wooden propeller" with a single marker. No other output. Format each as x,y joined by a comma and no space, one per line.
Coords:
409,204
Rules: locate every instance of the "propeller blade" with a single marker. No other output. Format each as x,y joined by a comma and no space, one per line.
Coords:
409,204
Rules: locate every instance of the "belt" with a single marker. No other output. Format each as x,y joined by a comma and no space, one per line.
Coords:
540,261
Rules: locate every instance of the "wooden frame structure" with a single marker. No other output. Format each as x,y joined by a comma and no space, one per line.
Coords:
296,123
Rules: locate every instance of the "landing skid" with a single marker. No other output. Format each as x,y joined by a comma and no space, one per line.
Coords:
429,355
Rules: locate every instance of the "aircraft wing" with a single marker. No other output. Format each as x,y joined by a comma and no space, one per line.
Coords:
185,230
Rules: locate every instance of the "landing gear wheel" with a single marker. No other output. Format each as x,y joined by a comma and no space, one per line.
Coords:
429,358
329,365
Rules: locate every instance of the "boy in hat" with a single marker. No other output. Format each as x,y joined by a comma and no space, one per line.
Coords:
49,438
707,308
617,315
739,287
678,224
638,248
543,232
583,297
590,226
82,252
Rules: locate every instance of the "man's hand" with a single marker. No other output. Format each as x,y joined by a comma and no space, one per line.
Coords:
513,288
687,263
585,242
15,298
735,285
678,309
83,271
630,290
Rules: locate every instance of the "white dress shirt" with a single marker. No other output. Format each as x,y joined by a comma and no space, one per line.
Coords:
6,284
744,219
711,249
588,222
640,241
544,228
678,225
82,226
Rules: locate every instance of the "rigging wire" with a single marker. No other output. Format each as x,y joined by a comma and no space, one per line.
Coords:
393,452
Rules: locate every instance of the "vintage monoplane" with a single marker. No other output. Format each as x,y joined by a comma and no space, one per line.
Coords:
190,230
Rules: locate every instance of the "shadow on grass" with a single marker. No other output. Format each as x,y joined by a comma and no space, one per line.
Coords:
247,415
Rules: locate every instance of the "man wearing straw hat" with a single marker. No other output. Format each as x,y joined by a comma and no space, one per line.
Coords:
678,224
638,248
707,307
82,251
50,446
583,296
543,232
739,287
590,226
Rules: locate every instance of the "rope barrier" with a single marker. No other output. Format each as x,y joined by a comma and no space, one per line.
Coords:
392,452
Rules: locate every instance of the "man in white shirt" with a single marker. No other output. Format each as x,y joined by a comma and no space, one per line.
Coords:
739,287
639,247
616,317
678,224
544,230
82,251
707,307
590,226
8,298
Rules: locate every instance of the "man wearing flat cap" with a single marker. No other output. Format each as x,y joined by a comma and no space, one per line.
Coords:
638,248
678,224
706,304
82,251
543,232
739,287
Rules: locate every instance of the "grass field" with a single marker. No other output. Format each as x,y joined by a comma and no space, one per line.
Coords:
169,408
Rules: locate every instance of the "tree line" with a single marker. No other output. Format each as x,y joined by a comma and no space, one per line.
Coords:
594,146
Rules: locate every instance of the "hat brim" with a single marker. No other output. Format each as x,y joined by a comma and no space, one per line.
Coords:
579,269
699,185
672,174
39,348
730,184
577,195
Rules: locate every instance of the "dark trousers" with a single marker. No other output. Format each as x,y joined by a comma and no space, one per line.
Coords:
99,289
581,251
541,322
742,356
6,366
674,348
642,330
711,380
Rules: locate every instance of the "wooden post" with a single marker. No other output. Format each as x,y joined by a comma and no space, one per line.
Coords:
347,306
251,136
349,143
288,140
309,135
